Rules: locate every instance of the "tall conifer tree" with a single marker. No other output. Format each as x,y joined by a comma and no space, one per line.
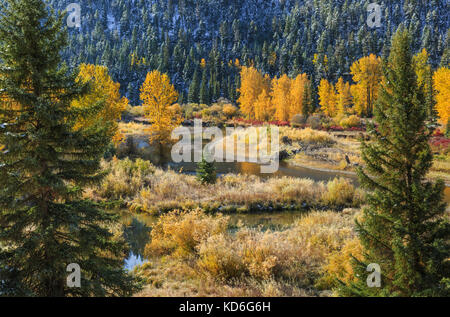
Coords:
45,223
204,89
404,229
194,88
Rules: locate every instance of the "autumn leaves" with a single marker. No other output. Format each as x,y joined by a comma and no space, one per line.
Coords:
265,99
338,100
158,96
441,82
281,98
104,92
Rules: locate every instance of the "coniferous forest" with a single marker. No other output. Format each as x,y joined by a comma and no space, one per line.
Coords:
223,148
277,37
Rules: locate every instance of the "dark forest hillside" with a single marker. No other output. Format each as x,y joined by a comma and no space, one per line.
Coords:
173,36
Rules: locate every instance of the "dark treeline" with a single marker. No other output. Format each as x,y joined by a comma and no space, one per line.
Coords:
319,37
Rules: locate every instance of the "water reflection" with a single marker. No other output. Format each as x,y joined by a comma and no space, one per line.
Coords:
133,260
136,231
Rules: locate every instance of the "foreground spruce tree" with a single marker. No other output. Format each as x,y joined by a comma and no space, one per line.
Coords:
206,172
403,229
44,222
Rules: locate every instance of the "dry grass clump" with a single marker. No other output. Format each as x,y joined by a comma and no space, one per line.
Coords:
349,122
236,193
180,232
247,261
126,178
340,192
307,135
145,188
339,264
133,128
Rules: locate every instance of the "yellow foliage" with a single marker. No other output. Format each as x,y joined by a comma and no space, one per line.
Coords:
158,95
344,96
103,89
176,108
367,73
297,90
263,106
327,98
441,82
339,266
422,68
281,97
229,110
252,85
264,99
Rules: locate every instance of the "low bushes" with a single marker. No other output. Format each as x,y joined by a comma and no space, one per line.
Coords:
340,192
126,178
298,120
350,122
180,232
296,255
314,122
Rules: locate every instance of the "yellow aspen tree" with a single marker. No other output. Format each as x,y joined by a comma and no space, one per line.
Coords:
344,97
281,97
441,83
158,95
252,84
103,91
263,107
327,98
367,74
298,86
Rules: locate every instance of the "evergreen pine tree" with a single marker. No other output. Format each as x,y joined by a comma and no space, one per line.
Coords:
445,60
193,89
204,89
45,223
206,172
307,100
404,229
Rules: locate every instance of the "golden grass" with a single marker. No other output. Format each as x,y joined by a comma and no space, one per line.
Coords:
441,168
126,178
307,135
133,128
148,189
204,259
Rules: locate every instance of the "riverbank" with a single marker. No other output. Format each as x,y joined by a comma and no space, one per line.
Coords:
334,151
143,188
